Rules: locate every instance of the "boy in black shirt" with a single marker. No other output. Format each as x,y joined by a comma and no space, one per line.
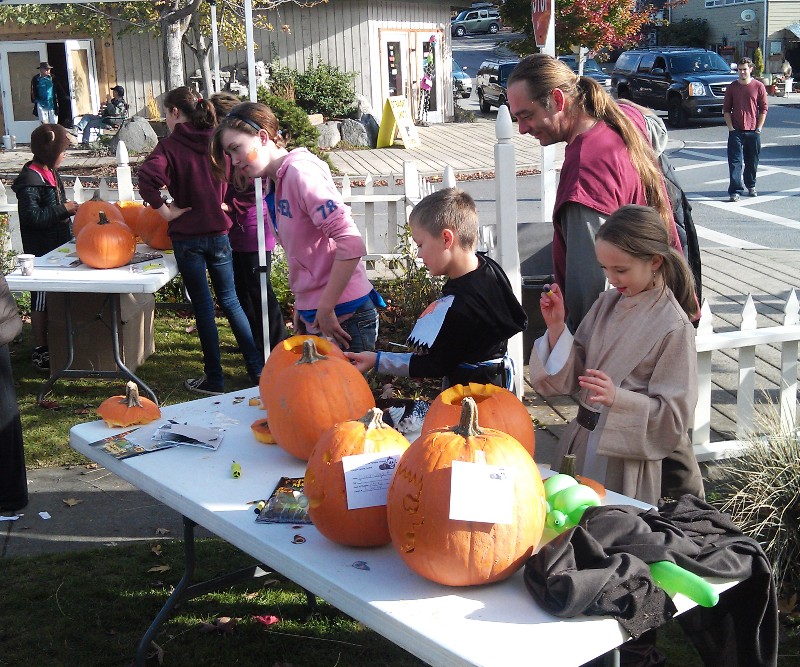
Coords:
463,336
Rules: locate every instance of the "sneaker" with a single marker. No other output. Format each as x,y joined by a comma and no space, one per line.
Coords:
40,357
201,386
752,192
734,197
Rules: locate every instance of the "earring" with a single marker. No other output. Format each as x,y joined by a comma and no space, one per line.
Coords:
654,278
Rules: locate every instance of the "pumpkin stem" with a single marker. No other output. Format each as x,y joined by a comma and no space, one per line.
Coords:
468,424
568,466
373,419
103,219
310,353
132,393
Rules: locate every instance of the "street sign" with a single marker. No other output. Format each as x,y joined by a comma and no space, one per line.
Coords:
540,15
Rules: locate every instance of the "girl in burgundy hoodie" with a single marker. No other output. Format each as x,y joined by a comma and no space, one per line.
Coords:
333,296
198,227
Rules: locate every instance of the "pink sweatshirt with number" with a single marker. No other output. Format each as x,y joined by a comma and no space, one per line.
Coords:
315,228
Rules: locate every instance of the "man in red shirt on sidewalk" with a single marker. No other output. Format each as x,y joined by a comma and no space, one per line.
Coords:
745,110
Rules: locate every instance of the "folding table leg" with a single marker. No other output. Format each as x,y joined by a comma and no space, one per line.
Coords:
611,659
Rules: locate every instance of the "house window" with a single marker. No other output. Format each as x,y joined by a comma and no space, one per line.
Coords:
713,3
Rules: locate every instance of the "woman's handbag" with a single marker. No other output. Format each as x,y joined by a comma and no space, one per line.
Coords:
10,321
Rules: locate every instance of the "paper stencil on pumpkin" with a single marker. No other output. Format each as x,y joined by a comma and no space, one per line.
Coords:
429,324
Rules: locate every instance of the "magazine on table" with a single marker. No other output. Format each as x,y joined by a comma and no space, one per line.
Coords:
164,435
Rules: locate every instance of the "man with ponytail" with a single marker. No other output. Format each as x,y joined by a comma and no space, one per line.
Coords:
608,163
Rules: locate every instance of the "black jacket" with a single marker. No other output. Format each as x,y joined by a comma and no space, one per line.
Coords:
43,218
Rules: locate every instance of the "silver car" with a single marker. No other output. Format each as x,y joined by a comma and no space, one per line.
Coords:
475,20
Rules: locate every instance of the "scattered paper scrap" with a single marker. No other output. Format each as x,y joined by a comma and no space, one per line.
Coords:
71,502
45,515
162,531
267,620
156,549
223,625
9,518
159,568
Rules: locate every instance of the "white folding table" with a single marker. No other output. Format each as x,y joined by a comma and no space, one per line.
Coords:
58,271
494,625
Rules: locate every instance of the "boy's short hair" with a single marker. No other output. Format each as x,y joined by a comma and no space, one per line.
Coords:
745,61
451,209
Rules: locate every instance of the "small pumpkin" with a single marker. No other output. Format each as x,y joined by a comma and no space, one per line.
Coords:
106,244
287,353
260,428
500,409
458,552
128,410
130,213
153,229
89,212
312,395
325,485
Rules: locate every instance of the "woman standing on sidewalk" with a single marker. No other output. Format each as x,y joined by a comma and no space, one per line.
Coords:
198,228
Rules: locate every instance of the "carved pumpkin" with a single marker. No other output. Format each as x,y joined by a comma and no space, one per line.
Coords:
89,212
325,482
130,213
128,410
288,352
260,428
459,552
500,409
312,395
106,244
152,229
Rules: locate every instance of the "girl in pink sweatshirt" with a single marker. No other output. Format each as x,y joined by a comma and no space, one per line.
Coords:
333,296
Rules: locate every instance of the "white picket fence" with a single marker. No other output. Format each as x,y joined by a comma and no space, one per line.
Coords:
382,217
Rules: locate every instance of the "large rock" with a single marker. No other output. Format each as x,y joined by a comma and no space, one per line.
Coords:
354,133
329,135
372,126
138,135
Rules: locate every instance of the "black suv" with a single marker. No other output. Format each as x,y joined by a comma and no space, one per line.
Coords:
491,82
685,82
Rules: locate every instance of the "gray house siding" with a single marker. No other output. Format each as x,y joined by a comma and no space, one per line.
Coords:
344,33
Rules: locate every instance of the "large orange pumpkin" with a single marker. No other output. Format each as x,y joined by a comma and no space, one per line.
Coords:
130,213
312,395
128,410
89,212
287,353
106,244
325,485
152,229
500,409
459,552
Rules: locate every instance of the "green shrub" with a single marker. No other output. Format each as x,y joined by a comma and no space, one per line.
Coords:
325,89
758,63
281,80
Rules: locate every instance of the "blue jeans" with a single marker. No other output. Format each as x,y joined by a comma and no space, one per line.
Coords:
363,328
213,253
743,149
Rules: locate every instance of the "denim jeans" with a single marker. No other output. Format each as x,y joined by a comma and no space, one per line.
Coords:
213,253
743,150
363,328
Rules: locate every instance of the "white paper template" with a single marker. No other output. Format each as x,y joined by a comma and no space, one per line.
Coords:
480,492
367,478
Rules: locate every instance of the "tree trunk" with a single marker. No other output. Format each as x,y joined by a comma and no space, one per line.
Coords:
173,54
201,48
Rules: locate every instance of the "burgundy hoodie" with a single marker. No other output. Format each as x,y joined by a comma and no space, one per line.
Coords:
181,163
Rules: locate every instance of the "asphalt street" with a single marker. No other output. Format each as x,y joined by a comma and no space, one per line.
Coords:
698,152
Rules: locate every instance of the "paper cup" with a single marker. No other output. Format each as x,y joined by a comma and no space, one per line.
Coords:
25,264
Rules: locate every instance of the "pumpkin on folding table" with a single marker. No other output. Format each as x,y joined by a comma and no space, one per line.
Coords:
287,353
325,485
152,229
500,409
106,244
312,395
128,410
463,552
130,213
89,212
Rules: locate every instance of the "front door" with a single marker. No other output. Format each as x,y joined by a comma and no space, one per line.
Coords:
395,79
19,63
81,74
427,73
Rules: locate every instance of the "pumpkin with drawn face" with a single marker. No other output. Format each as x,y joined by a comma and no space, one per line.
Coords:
458,552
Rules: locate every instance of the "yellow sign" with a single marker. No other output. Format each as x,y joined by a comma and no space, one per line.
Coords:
397,118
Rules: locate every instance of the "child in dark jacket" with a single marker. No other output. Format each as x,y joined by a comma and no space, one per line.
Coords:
463,336
198,228
44,217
